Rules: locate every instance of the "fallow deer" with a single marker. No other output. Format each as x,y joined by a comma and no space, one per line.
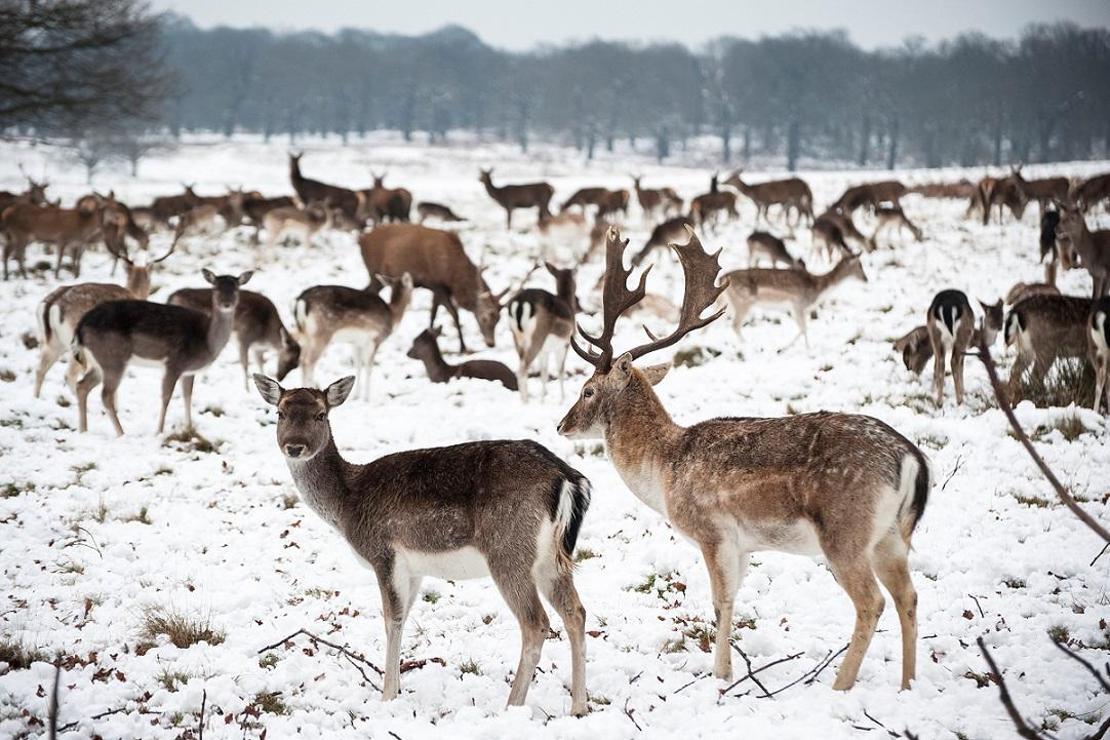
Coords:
61,311
763,244
564,232
257,326
610,203
1092,247
1044,328
180,340
35,194
792,194
1091,192
542,324
892,217
949,321
359,318
427,209
1020,291
668,232
437,262
796,290
256,206
301,223
386,204
1047,190
959,190
872,195
716,201
828,239
583,198
309,191
1006,192
1098,349
69,230
511,511
426,349
917,347
165,208
845,486
664,200
849,232
511,197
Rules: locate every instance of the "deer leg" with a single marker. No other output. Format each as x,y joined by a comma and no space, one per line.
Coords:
853,573
726,565
939,352
562,370
51,351
453,310
561,594
398,593
519,592
58,263
958,371
169,380
112,378
90,380
1021,362
892,568
509,219
244,362
187,397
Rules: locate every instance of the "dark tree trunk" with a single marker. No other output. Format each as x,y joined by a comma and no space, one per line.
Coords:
892,151
997,143
747,143
726,143
864,141
662,144
793,144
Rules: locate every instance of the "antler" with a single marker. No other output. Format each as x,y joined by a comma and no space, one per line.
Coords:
616,298
699,269
173,246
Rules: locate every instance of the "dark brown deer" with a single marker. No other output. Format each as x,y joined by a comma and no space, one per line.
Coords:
165,208
437,262
67,229
791,194
764,244
1047,190
427,209
386,204
584,197
871,195
710,204
180,340
1005,192
1044,328
509,510
426,349
1091,192
511,197
257,327
844,486
670,231
345,199
612,202
35,194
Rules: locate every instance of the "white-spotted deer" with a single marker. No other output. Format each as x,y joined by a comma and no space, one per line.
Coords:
1098,350
542,324
797,290
507,509
359,318
180,340
845,486
61,311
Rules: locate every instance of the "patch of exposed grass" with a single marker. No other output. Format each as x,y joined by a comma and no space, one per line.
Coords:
1037,501
1067,383
674,645
183,631
7,375
141,517
584,553
216,411
694,356
189,439
1012,582
1059,633
269,660
470,666
18,656
30,341
431,596
171,680
11,490
270,702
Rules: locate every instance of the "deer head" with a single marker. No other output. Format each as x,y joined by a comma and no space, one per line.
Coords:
302,428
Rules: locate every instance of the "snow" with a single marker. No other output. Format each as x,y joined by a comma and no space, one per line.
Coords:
228,541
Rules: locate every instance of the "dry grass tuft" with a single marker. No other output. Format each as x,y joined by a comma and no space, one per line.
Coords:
183,631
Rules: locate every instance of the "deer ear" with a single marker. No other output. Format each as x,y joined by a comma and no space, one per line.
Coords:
552,269
209,276
268,388
622,369
338,391
245,277
656,373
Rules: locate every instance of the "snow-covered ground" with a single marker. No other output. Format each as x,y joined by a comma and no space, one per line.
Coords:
95,532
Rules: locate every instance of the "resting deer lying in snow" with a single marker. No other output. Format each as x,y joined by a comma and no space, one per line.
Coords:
845,486
360,318
426,349
180,340
542,324
512,512
797,290
950,324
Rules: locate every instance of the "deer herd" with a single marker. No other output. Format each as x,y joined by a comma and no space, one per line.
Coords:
845,487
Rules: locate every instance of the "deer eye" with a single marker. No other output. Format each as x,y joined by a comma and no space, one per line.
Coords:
588,393
281,414
320,416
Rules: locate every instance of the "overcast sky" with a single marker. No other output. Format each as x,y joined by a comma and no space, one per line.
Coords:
523,24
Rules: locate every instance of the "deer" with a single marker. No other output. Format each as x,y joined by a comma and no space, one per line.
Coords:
1020,291
561,230
1047,191
828,238
764,244
1006,192
180,340
512,512
257,326
59,313
301,223
427,209
584,197
1052,247
1044,328
437,262
791,194
917,349
165,208
542,324
256,206
308,191
797,289
650,200
510,197
1092,247
611,202
710,204
68,229
892,217
35,194
671,230
426,349
359,318
959,190
1098,350
1089,193
949,322
842,485
871,195
387,204
848,230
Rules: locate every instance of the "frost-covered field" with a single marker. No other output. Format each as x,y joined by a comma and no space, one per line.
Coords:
97,532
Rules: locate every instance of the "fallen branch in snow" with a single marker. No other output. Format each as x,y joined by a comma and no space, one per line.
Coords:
1086,664
200,720
1100,554
811,675
352,657
1004,404
628,713
955,469
52,721
751,674
978,605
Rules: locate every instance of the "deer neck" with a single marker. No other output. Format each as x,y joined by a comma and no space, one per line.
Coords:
322,481
642,439
435,366
830,279
493,191
138,283
219,328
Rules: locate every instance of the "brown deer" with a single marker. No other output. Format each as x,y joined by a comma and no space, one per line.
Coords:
797,290
917,349
612,202
437,262
1047,190
1091,192
871,195
256,206
427,209
510,197
257,326
1020,291
1092,247
959,190
1098,350
35,194
764,244
180,340
1044,328
792,195
584,197
716,201
61,311
668,232
1005,192
845,486
345,199
657,199
164,209
359,318
512,511
564,231
849,232
892,217
828,238
950,328
386,204
67,229
426,349
301,223
542,324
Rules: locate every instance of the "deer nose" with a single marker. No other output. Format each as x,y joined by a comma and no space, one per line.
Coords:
294,450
